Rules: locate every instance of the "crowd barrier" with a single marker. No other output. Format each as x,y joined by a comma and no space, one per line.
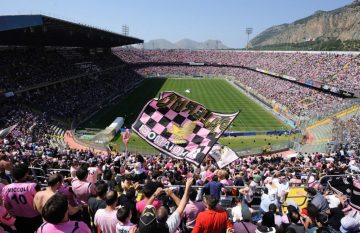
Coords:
296,190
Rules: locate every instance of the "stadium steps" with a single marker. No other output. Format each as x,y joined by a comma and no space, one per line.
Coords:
57,137
323,134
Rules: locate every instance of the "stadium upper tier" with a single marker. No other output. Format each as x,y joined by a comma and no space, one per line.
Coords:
100,76
338,70
24,67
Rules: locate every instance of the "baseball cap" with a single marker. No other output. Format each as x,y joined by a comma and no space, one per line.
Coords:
264,229
148,222
350,223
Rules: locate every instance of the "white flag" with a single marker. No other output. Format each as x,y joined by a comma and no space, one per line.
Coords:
223,155
6,131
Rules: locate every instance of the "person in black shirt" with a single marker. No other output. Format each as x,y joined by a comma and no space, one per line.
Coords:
98,202
128,200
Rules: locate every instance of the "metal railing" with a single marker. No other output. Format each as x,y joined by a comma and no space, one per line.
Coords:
41,177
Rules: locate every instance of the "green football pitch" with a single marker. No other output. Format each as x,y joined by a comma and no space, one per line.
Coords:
215,94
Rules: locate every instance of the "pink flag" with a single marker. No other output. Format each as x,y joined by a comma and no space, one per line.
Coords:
126,137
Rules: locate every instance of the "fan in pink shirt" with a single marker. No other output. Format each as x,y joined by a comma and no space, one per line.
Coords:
81,188
18,199
105,219
55,213
148,190
192,209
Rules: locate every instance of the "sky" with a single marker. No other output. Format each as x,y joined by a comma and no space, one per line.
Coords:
174,20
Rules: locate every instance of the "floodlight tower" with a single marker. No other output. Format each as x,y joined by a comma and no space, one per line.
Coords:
125,30
248,32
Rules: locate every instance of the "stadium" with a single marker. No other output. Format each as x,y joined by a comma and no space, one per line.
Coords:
99,135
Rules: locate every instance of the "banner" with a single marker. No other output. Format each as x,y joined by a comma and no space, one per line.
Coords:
223,155
180,127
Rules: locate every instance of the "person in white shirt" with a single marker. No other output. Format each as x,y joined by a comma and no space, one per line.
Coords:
236,211
124,225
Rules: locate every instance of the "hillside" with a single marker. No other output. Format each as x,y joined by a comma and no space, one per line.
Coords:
184,44
340,24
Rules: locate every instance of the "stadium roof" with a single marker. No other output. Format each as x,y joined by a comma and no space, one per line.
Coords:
40,30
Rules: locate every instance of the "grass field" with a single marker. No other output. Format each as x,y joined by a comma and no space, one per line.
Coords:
216,94
137,144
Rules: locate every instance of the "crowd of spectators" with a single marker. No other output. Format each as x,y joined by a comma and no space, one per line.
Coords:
26,67
126,192
78,98
339,70
346,132
299,100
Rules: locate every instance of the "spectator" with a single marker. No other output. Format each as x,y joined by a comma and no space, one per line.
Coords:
214,188
18,199
128,200
317,199
55,213
214,219
105,219
148,190
54,183
124,225
98,202
192,209
152,220
295,222
83,190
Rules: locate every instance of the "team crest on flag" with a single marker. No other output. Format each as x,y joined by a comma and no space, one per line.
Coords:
180,127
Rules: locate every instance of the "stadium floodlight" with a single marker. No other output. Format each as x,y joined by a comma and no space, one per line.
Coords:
125,30
248,32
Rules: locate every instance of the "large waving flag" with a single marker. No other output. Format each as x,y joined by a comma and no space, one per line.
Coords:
180,127
223,155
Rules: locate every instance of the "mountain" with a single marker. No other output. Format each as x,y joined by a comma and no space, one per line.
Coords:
339,24
184,44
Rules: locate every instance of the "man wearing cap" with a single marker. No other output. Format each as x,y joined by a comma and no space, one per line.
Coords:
153,220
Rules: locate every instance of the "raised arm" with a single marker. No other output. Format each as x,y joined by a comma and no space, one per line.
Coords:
185,197
152,198
171,194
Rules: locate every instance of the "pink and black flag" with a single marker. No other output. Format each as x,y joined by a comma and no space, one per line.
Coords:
180,127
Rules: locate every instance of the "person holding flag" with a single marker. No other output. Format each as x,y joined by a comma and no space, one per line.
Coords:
125,138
